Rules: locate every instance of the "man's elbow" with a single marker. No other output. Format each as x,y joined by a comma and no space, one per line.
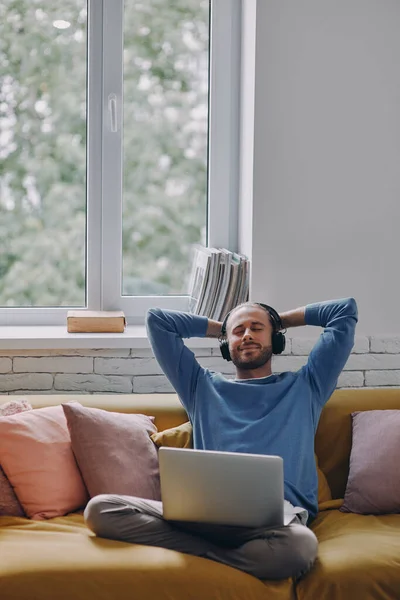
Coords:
351,308
351,315
151,316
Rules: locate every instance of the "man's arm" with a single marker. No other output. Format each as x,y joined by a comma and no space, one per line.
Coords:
332,350
213,329
166,330
293,318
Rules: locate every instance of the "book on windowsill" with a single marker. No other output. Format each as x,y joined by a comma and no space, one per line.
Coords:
95,321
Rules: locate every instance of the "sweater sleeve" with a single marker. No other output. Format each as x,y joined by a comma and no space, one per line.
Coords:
165,329
332,350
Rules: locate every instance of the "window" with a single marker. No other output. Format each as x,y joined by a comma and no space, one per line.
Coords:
118,150
42,153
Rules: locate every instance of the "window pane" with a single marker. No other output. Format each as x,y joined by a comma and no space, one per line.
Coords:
42,152
166,48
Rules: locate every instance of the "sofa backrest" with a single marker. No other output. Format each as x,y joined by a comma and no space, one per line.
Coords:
332,441
334,434
166,408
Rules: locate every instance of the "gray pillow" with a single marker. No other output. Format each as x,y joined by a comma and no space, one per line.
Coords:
373,485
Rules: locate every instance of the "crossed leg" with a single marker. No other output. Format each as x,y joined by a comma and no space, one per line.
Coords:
278,553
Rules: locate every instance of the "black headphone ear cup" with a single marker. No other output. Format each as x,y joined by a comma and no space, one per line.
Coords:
224,348
278,343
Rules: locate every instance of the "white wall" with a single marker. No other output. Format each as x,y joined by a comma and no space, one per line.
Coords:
326,158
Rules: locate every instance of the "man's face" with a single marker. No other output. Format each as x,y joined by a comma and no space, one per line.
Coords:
249,333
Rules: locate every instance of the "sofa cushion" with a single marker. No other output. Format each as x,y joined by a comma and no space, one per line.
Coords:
36,455
334,432
358,557
324,492
62,559
13,407
182,437
9,503
175,437
114,451
373,486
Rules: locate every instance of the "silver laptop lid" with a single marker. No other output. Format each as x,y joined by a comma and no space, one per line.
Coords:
229,488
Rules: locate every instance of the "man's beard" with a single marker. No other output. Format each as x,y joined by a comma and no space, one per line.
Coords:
258,361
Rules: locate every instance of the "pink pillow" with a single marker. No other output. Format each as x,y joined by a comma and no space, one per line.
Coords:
36,455
373,485
114,451
9,503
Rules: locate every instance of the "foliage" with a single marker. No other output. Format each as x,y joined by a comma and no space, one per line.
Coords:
43,147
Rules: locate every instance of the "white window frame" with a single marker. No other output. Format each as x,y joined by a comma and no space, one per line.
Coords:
105,160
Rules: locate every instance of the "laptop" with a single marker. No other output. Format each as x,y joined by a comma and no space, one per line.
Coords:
225,488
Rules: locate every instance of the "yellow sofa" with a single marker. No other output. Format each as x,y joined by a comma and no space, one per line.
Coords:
59,559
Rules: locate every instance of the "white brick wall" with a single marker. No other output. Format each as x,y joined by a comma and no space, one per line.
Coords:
51,364
5,365
391,345
374,362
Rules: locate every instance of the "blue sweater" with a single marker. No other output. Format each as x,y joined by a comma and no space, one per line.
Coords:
278,414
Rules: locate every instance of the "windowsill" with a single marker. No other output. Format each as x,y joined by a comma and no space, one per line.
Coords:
49,337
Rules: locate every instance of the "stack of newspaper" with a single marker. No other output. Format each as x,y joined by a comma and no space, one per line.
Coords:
219,281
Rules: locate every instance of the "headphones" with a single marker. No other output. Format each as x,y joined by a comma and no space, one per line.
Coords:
278,338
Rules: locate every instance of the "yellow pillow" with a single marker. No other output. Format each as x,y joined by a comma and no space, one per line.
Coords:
182,437
175,437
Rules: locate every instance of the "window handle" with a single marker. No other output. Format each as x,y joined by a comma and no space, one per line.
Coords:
112,109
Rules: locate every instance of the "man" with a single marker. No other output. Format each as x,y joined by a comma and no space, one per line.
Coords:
257,412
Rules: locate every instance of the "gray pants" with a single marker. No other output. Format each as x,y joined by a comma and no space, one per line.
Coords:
278,553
